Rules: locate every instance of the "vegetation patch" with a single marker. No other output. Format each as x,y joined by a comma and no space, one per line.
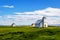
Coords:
29,33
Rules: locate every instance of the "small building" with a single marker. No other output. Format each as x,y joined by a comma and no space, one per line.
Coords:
13,25
33,25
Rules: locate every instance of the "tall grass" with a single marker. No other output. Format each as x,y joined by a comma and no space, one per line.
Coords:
29,33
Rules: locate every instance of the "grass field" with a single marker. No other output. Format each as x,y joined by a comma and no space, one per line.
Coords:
29,33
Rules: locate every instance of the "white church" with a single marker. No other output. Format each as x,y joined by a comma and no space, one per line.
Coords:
40,23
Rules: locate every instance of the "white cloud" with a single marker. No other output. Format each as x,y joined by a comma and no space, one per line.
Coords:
52,14
7,6
45,12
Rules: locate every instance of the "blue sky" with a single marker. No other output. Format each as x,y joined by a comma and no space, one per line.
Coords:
28,5
24,11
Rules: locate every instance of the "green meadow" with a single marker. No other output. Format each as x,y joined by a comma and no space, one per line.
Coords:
29,33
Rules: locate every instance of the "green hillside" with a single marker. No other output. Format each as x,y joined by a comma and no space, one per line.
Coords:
29,33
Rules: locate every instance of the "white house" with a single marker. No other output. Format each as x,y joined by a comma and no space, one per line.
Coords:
41,23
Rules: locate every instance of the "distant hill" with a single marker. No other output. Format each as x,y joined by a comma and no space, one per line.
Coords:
29,33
